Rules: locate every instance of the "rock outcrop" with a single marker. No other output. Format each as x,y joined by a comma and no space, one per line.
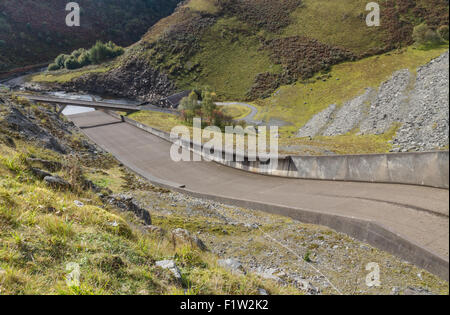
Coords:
128,203
134,79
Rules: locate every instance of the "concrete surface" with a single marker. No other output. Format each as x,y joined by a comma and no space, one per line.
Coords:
409,221
81,103
415,168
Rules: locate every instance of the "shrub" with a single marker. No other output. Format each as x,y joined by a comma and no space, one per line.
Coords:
443,32
190,106
101,52
424,35
71,63
53,67
206,109
114,50
208,105
84,59
77,53
98,53
60,60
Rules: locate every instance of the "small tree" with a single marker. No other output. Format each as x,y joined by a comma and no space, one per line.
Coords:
53,67
443,32
71,63
101,52
208,105
84,59
98,53
60,60
423,35
190,107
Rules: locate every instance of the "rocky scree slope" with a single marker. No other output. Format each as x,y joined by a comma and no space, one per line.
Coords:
417,105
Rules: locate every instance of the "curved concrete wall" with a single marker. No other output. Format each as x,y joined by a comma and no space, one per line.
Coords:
382,167
417,168
424,168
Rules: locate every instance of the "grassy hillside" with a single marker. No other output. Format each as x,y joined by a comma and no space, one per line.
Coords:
42,230
297,103
45,228
32,32
246,49
291,59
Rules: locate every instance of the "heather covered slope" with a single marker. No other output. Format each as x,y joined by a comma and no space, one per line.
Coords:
32,32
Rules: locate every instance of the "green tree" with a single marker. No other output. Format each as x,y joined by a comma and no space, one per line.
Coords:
53,67
101,52
443,32
84,59
190,107
71,63
208,106
424,35
98,53
60,60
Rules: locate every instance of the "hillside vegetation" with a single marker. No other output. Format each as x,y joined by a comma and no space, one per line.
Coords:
89,221
32,32
246,49
291,59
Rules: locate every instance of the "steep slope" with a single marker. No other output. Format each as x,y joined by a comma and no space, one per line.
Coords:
35,31
246,49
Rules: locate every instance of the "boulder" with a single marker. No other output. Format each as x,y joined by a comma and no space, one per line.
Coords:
128,203
232,265
39,173
184,237
8,141
52,166
56,182
171,266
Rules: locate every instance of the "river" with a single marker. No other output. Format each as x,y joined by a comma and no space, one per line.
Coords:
16,84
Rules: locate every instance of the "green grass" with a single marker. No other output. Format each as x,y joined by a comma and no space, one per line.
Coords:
161,121
337,23
42,231
236,111
111,178
64,76
230,60
204,6
350,143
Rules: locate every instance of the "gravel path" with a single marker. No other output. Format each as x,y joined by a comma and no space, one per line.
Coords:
250,118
